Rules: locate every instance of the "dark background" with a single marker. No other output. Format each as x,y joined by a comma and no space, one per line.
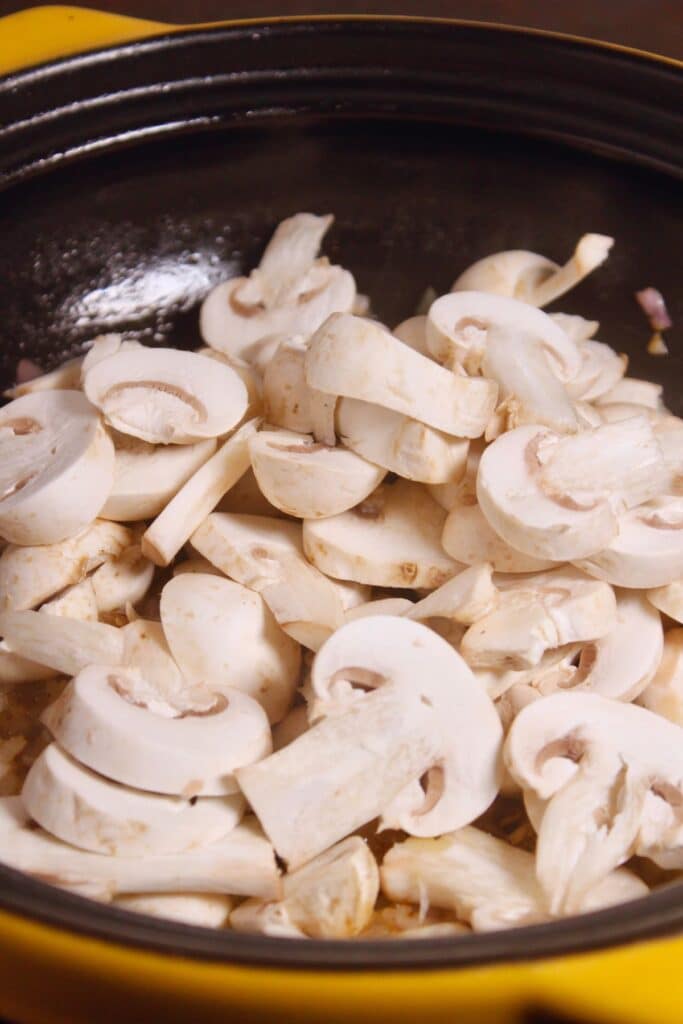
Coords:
646,24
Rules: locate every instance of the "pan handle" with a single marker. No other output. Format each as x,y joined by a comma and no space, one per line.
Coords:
40,34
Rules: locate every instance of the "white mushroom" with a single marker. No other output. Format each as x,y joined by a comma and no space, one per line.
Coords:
576,327
485,880
198,496
251,376
84,809
668,599
223,636
556,670
265,555
66,645
15,669
403,921
664,694
246,498
31,575
460,327
159,682
552,609
310,480
392,539
242,863
401,445
352,594
57,467
557,497
601,370
100,720
647,550
66,377
147,476
357,358
413,332
205,910
465,598
122,581
286,395
77,602
531,277
611,773
631,391
165,396
331,897
289,292
425,713
381,606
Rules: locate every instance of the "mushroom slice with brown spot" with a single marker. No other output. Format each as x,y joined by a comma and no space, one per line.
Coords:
223,636
392,539
668,599
102,721
31,575
555,497
331,897
77,602
56,467
147,476
647,551
291,291
90,812
66,645
401,445
166,396
242,863
611,775
664,694
356,358
461,325
266,555
310,480
484,880
198,496
533,278
394,710
465,598
205,910
550,610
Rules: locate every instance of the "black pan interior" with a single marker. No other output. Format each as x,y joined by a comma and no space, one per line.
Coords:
125,199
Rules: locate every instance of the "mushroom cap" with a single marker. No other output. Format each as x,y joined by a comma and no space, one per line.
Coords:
647,550
241,863
356,358
413,332
401,445
664,694
668,599
147,476
15,669
99,721
84,809
469,538
286,395
124,580
465,598
57,467
223,636
310,480
513,273
459,326
166,396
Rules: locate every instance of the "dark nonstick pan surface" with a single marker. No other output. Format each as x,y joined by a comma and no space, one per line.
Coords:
133,179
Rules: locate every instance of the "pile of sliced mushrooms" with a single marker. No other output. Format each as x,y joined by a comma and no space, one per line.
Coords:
329,630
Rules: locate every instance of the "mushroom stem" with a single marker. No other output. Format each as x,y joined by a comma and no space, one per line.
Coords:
592,250
66,645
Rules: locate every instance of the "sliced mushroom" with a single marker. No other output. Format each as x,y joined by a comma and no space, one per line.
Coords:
461,325
246,498
147,476
265,555
413,332
632,391
202,909
531,277
669,433
242,863
352,594
331,897
160,683
291,727
77,602
15,669
66,377
57,467
554,497
576,327
401,445
392,539
664,694
286,395
382,606
465,598
196,565
357,358
198,496
223,636
289,292
485,880
556,670
66,645
31,575
250,375
101,720
166,396
648,549
425,712
555,608
307,479
123,581
601,370
668,599
611,773
84,809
